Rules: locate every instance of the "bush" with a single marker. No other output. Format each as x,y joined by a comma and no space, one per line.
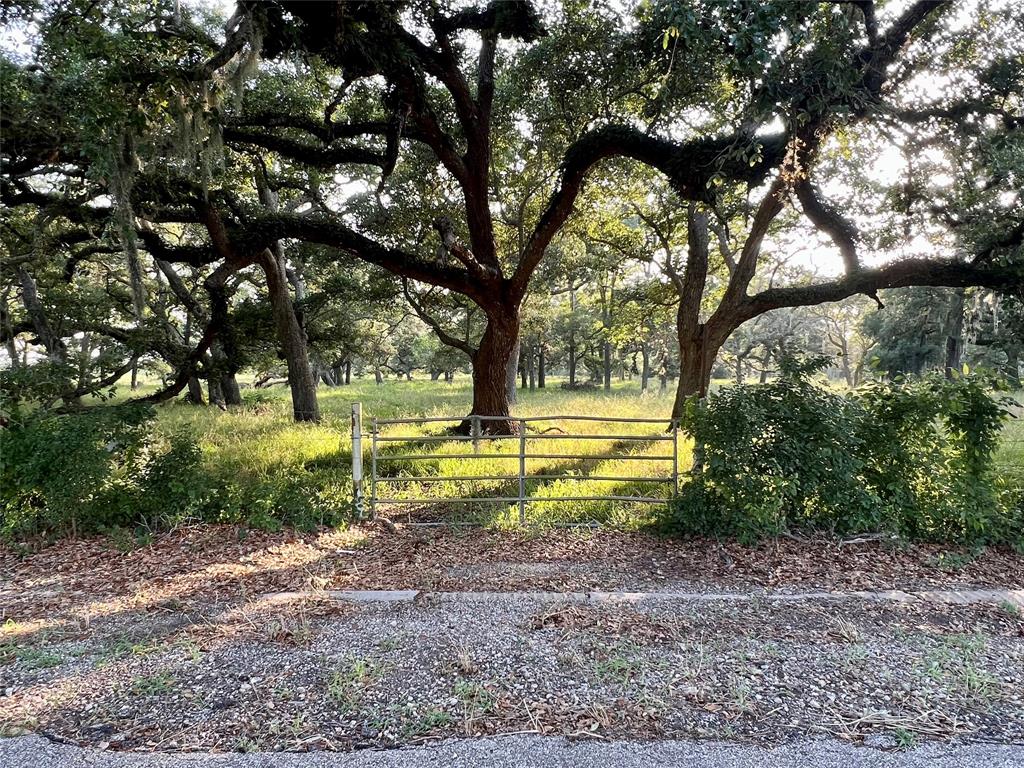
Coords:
101,469
913,458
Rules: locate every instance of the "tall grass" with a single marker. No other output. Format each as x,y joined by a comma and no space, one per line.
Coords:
271,467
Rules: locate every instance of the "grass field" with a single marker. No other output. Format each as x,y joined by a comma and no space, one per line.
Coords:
280,463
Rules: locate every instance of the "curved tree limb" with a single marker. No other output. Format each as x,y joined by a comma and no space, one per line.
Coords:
328,231
435,326
827,219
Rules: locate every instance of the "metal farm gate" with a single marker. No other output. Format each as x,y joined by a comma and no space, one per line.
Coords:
380,487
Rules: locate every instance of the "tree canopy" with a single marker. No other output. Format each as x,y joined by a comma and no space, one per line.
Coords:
206,195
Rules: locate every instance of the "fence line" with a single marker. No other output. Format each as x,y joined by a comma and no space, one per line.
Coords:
523,456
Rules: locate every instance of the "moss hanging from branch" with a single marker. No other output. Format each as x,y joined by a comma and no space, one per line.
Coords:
121,183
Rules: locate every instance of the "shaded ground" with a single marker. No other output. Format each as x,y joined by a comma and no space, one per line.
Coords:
87,579
169,648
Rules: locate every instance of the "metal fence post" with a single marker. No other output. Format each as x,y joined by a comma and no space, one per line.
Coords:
357,460
373,468
475,430
675,458
522,472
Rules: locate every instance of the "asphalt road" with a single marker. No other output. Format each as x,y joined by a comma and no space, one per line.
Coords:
534,752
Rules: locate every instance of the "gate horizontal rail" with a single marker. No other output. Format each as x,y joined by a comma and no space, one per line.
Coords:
523,456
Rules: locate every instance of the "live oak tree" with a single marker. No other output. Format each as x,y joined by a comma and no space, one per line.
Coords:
829,67
471,133
829,116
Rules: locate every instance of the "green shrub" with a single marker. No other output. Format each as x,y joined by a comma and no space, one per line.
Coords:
96,470
914,458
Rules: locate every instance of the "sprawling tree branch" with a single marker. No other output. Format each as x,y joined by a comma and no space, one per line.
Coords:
689,167
318,157
900,274
328,231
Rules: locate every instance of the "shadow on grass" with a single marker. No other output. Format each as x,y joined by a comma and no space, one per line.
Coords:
576,470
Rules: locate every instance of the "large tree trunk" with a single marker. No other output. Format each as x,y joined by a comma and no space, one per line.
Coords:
195,391
230,389
348,371
696,359
224,371
540,368
301,380
494,359
698,342
214,390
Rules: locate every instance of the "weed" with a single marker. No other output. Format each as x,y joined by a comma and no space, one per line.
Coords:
618,669
32,658
1011,609
475,698
289,629
123,646
418,724
846,630
152,685
191,649
904,739
349,682
739,694
464,661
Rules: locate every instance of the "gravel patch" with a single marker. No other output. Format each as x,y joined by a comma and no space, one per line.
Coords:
315,674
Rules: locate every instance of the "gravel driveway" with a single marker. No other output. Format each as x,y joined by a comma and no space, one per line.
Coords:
310,673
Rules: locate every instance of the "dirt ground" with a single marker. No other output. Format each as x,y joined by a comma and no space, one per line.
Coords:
172,646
